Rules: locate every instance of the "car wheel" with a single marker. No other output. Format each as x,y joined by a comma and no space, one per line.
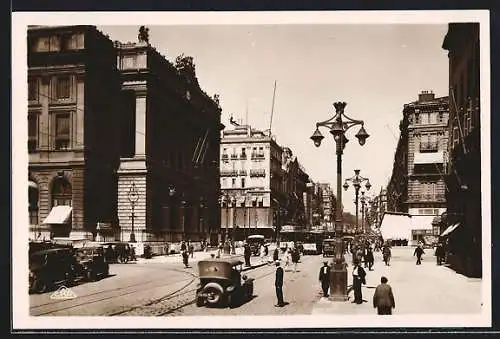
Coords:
214,293
40,286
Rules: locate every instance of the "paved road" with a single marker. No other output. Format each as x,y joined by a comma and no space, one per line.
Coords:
163,287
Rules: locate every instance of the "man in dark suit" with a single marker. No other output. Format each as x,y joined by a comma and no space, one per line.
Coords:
418,252
278,284
324,278
383,299
358,278
247,253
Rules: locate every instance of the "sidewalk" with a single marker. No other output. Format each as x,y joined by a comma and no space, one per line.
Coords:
418,289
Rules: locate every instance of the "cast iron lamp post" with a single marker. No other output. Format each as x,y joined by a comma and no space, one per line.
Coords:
133,197
363,200
338,126
357,180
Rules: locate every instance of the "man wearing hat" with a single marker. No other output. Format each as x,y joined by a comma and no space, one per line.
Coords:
358,278
324,278
278,284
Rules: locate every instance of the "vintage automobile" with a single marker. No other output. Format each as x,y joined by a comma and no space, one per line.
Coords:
221,283
255,242
117,252
91,263
48,268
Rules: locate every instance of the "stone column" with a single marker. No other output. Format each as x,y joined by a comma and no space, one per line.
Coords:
134,170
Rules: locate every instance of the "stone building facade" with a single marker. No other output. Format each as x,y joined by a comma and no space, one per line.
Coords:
250,180
73,106
169,149
464,171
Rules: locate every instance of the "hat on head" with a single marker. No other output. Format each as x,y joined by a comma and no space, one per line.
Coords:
277,262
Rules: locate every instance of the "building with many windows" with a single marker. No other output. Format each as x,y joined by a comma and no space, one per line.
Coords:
464,171
170,134
327,206
123,144
251,182
73,106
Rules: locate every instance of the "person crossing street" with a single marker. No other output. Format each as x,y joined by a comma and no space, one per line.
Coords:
419,252
324,278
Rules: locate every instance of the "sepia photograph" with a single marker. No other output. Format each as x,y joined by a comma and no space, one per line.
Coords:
251,170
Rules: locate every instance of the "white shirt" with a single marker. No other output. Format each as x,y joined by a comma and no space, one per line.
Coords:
355,271
325,269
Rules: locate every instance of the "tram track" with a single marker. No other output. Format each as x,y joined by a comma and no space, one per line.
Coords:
88,299
177,300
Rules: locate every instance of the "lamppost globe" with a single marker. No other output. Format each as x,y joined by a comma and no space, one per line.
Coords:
368,185
346,186
317,137
362,135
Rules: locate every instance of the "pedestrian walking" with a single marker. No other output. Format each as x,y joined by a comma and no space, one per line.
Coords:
278,284
262,252
324,278
370,258
386,252
288,256
383,298
439,254
191,250
185,259
419,252
295,258
358,278
247,253
183,246
219,249
276,254
132,253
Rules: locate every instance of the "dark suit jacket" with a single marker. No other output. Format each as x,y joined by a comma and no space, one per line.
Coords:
324,276
383,296
279,277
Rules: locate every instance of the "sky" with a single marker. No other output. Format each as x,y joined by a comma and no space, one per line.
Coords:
375,69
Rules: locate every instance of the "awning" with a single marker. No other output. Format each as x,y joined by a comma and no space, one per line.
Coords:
422,222
450,229
429,158
396,226
32,184
58,215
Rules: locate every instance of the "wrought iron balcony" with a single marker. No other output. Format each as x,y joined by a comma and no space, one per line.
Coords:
228,173
257,172
429,147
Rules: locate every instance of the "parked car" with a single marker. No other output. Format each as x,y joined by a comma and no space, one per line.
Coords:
91,263
48,268
117,252
221,283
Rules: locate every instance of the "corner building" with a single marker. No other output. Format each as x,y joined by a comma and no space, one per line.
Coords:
73,145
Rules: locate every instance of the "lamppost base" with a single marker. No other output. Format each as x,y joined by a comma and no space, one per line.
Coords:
132,237
338,282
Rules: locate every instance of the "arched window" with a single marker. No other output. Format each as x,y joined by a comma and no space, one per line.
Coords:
33,202
61,192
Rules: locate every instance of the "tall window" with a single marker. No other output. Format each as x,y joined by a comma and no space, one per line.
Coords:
242,182
417,118
66,42
224,182
33,204
62,131
33,89
61,192
32,132
63,87
233,183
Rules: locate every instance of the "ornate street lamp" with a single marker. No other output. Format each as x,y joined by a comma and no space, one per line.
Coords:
338,126
133,197
357,180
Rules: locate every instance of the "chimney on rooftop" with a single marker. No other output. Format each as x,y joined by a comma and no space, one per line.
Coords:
426,96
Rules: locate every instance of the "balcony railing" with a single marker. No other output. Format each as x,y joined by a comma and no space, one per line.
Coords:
243,156
234,156
429,147
224,157
257,172
228,173
243,172
258,156
426,197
